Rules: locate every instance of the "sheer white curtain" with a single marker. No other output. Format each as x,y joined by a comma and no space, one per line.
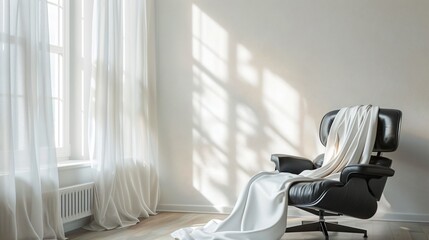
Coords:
29,202
122,114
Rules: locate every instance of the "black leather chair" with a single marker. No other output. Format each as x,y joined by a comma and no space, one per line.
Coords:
360,186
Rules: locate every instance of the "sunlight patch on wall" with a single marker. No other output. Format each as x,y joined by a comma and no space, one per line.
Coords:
210,107
242,113
245,68
247,124
209,44
282,103
208,162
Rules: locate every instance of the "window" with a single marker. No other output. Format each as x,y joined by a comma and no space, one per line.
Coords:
58,11
70,70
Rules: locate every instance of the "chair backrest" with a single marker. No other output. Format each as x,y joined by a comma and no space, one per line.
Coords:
388,129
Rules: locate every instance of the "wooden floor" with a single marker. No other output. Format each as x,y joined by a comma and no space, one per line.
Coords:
160,226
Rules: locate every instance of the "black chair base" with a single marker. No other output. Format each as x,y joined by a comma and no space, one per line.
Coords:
325,227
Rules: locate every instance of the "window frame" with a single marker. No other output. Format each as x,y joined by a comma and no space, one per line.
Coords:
63,152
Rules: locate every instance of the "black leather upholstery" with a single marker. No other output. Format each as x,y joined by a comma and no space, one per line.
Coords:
291,164
366,171
389,124
306,193
360,186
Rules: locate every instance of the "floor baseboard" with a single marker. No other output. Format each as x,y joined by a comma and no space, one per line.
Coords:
76,224
194,208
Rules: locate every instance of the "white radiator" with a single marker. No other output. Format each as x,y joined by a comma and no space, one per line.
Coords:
76,202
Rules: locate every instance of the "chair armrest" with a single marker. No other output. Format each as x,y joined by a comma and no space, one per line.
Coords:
365,171
291,164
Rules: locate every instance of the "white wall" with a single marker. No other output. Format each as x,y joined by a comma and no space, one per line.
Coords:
239,80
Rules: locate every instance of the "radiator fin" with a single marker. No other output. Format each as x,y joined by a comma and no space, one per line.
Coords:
76,202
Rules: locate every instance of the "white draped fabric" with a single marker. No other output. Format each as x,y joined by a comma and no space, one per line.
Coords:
29,200
261,210
122,114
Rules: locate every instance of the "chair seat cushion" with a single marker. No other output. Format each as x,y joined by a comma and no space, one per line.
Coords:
303,193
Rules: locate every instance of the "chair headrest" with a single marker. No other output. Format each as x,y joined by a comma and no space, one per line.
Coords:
388,128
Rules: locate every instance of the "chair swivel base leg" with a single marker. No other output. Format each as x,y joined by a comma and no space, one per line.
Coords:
310,227
325,227
341,228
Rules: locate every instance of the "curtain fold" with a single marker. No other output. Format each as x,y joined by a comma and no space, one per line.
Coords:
122,115
29,199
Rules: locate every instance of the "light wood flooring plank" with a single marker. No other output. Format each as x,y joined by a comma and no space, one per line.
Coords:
160,226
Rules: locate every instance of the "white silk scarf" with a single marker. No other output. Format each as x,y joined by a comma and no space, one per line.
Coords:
261,209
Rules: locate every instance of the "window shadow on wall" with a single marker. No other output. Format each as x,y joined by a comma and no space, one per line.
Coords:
243,111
